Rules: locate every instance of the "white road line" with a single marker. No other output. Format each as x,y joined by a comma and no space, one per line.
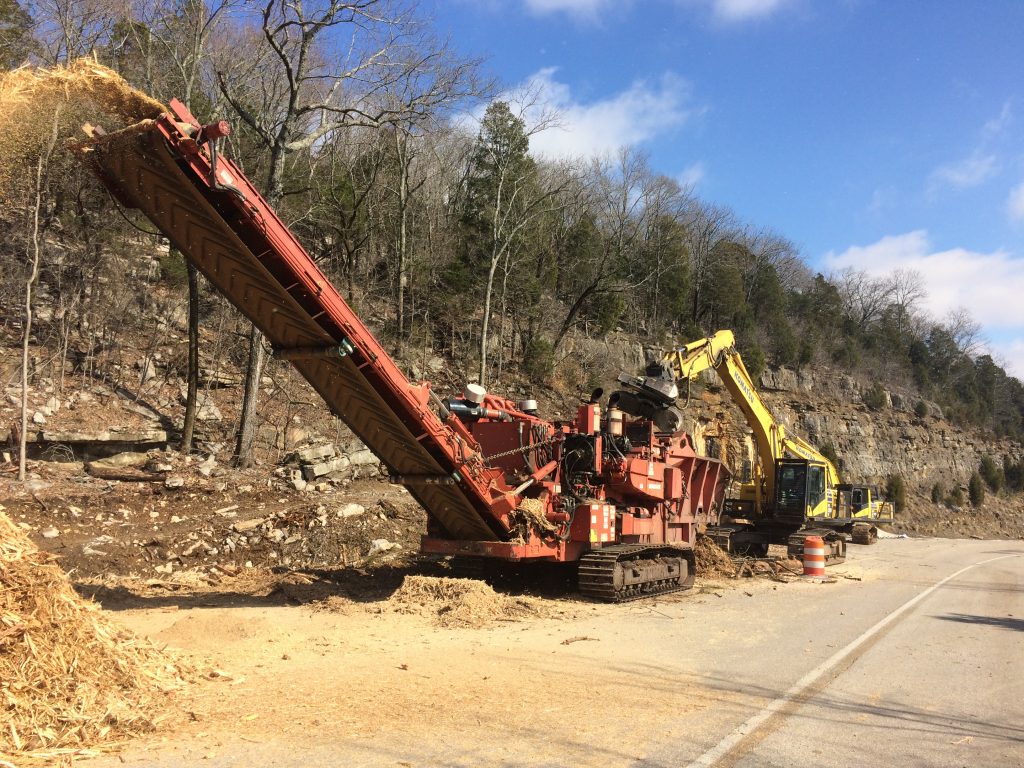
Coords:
720,750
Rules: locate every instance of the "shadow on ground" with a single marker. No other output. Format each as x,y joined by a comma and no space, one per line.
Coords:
285,586
1003,622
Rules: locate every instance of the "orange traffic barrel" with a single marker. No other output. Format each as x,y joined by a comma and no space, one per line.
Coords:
814,557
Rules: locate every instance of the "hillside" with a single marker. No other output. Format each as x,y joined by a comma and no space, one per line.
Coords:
136,406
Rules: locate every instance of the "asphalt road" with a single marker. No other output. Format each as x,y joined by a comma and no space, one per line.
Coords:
913,657
928,671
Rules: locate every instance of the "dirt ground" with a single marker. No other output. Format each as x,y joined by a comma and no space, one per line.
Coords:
376,677
352,670
285,602
218,524
322,658
210,525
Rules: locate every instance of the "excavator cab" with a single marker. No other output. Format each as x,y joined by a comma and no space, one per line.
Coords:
861,502
800,491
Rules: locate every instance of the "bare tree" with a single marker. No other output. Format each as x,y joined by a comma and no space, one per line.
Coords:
453,81
770,250
34,253
296,85
447,155
665,255
864,296
908,291
964,330
624,198
181,30
707,228
68,29
345,183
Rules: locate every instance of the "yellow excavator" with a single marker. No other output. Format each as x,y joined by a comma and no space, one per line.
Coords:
792,488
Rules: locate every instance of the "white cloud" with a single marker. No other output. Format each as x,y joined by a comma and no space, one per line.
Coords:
630,117
1011,356
1015,203
582,8
969,172
988,285
691,176
745,10
997,125
982,164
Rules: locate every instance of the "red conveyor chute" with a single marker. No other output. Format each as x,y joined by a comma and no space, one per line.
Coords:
210,211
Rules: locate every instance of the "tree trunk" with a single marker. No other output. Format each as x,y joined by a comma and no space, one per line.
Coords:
29,283
122,474
503,316
403,225
247,423
192,375
495,258
574,310
257,349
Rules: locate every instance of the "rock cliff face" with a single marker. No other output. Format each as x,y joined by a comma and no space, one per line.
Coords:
822,406
825,406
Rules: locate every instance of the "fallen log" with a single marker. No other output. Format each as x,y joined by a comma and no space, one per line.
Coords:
123,474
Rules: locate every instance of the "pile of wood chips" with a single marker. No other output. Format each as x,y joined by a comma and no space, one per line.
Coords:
461,602
71,680
39,106
712,560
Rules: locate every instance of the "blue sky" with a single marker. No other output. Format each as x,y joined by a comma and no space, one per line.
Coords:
873,134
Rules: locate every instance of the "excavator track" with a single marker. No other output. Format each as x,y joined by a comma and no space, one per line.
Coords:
864,533
627,572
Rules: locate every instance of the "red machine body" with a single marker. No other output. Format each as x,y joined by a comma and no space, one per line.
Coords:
594,488
496,480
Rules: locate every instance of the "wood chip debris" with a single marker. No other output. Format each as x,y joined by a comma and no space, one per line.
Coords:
578,639
71,679
461,602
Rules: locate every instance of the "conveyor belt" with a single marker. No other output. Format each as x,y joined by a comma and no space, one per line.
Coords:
141,168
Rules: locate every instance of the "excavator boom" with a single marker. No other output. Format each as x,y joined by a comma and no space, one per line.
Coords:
718,352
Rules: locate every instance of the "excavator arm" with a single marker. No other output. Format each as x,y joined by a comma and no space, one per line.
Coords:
718,352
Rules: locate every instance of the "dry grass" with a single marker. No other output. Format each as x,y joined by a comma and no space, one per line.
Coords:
70,678
712,560
461,602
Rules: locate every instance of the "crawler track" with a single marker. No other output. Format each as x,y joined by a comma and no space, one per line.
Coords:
634,571
864,533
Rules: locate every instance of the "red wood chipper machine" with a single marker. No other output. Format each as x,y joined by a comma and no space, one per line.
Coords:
619,490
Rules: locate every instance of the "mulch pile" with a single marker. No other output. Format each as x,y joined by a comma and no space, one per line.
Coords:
71,679
461,602
712,560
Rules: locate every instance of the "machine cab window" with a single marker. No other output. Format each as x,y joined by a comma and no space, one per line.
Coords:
815,485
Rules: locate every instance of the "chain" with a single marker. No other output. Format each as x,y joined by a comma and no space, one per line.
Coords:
524,449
